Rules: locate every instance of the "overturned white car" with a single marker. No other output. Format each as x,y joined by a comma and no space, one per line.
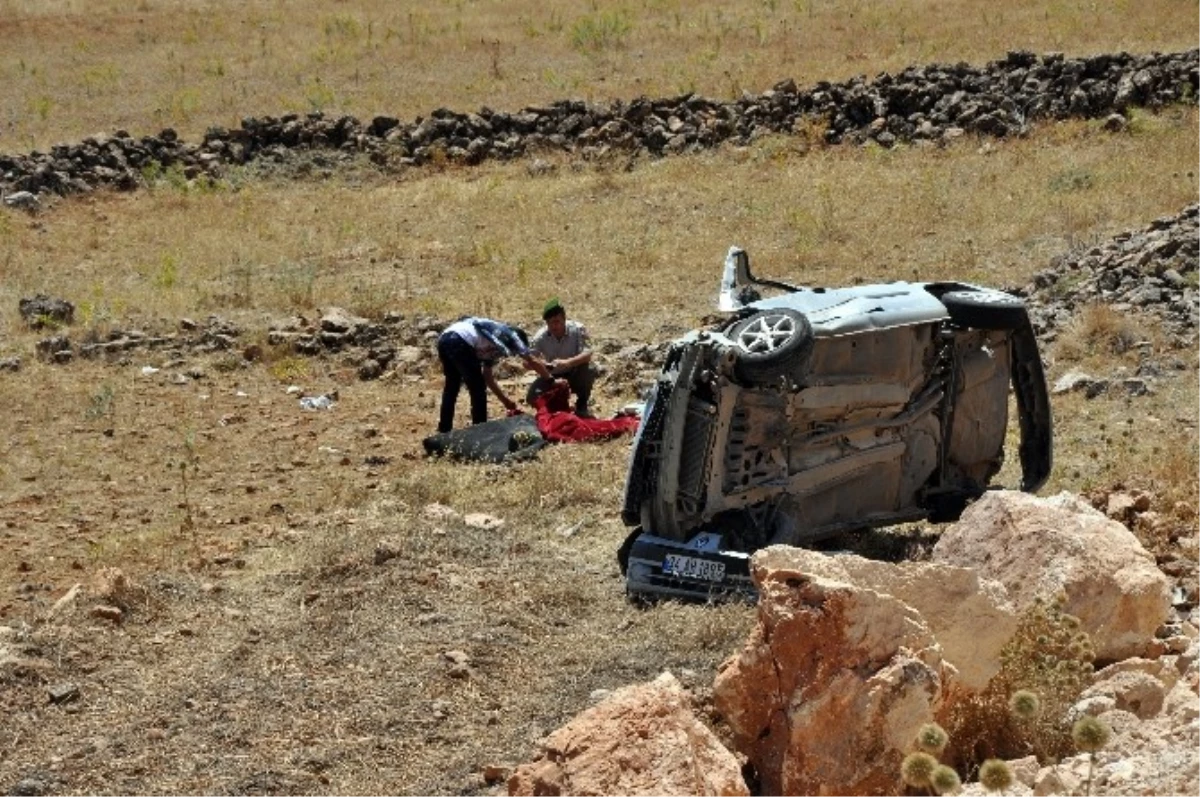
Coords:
817,411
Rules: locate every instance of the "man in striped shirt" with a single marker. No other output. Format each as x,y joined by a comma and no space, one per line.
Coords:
468,349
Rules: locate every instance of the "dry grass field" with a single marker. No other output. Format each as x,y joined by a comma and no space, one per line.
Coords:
74,67
303,613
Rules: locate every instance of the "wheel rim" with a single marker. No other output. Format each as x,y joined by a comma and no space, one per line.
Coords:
766,333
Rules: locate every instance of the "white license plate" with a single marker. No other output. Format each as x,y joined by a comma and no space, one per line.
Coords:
689,567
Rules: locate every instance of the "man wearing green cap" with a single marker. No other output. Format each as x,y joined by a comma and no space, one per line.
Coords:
566,350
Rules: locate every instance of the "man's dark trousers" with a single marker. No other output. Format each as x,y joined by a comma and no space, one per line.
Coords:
460,365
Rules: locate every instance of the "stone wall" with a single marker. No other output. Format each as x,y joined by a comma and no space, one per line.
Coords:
921,103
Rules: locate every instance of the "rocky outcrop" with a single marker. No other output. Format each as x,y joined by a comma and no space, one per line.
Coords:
1040,547
1152,707
920,103
642,739
850,657
1152,270
834,682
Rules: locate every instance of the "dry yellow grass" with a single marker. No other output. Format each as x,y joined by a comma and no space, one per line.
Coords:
498,241
1098,334
277,655
70,68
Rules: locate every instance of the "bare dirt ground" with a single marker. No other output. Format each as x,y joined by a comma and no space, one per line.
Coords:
301,615
310,605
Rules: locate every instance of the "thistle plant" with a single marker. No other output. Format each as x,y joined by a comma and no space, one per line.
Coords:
932,738
945,780
917,769
1090,735
995,775
921,768
1043,670
1025,705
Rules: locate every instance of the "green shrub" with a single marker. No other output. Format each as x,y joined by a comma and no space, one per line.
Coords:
601,31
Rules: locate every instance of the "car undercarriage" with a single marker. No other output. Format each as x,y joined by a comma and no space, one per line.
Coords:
824,410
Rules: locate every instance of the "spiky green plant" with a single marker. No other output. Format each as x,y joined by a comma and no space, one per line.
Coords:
1025,705
932,738
945,780
1090,735
995,775
1043,670
917,769
921,768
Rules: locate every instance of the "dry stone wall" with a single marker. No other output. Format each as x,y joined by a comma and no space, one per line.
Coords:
921,103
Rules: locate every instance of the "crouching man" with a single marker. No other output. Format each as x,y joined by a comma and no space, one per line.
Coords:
566,350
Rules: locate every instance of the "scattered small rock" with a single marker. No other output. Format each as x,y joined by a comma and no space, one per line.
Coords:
1116,123
479,520
538,167
460,664
439,512
63,693
386,550
54,349
43,311
111,613
30,787
370,369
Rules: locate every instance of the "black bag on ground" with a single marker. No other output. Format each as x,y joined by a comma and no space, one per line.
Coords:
511,439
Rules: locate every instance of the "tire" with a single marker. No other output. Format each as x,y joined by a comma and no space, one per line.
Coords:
948,507
771,344
985,309
625,549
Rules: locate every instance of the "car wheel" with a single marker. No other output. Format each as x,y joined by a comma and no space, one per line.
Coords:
625,549
985,309
770,344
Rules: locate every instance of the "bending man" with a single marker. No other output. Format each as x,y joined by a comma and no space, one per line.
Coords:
468,349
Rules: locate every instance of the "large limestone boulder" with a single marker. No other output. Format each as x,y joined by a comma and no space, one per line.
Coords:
970,617
834,682
643,739
1040,547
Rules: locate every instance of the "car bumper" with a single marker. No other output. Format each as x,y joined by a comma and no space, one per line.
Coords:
649,574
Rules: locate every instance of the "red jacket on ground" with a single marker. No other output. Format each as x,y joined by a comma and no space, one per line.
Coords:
559,425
